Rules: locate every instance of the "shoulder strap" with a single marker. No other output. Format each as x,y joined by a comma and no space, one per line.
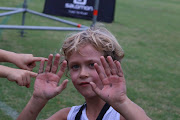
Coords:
78,115
103,111
100,116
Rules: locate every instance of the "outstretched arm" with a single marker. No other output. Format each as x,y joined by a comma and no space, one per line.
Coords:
114,90
45,87
23,61
21,77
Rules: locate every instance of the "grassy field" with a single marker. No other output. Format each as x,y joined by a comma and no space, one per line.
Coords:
148,31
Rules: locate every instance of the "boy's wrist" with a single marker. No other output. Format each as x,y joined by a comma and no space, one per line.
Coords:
37,103
130,110
124,107
39,100
123,102
32,109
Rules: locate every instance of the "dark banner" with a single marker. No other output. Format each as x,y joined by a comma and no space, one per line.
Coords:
81,9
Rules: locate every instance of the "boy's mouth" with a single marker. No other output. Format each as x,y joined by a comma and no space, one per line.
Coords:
84,84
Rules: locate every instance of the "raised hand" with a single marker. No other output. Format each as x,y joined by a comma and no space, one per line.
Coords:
114,90
47,82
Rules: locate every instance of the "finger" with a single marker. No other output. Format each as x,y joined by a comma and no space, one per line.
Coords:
105,65
56,63
28,81
32,74
99,71
41,68
36,59
61,87
49,63
112,65
19,82
95,88
24,81
119,69
62,69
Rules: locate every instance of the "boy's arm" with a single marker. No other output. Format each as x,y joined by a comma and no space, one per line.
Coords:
60,115
114,90
130,111
32,109
46,87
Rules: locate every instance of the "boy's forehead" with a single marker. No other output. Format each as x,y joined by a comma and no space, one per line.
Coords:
85,51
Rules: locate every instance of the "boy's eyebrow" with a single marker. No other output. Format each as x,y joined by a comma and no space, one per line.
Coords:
73,62
90,60
93,60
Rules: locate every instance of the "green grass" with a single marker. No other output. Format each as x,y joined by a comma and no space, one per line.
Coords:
4,116
148,31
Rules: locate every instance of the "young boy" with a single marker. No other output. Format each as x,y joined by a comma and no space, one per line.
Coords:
93,60
24,61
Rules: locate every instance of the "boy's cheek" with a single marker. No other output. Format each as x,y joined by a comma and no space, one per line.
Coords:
73,76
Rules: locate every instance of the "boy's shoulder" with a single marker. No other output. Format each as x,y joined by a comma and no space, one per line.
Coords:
61,114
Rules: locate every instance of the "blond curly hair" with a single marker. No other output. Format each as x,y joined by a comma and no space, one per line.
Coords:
99,37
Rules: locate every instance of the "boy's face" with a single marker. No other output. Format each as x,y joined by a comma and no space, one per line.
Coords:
82,71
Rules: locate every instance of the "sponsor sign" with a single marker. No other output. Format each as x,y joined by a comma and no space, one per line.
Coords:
81,9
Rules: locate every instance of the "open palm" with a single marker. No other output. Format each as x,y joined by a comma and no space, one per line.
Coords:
47,82
113,80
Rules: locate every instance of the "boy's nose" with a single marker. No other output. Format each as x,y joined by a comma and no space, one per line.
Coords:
84,73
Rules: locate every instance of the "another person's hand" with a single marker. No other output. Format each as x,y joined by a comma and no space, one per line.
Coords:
26,61
47,82
114,90
21,77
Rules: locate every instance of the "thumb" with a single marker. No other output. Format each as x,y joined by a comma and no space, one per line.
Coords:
61,87
95,88
33,74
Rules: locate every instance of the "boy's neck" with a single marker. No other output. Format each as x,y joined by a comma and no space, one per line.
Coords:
94,106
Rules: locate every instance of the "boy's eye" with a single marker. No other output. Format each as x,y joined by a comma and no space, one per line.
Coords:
74,67
91,65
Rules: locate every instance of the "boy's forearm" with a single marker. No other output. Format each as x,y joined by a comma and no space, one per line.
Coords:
32,109
131,111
